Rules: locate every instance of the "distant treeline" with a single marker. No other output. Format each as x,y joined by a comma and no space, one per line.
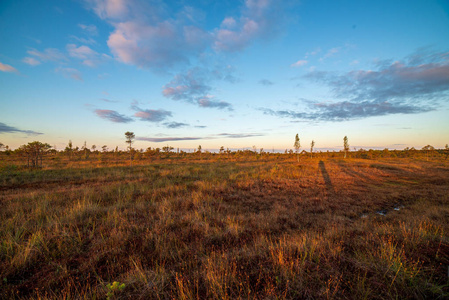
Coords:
34,153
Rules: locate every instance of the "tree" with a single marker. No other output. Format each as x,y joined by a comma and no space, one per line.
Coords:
129,140
221,149
297,146
427,149
311,147
69,149
34,152
446,150
86,151
345,145
199,149
1,146
104,148
167,148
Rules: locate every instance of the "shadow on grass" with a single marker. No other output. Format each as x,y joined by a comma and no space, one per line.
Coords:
351,172
327,179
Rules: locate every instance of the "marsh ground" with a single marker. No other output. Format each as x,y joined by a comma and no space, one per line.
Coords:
217,228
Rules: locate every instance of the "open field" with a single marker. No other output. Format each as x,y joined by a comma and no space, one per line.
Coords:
262,227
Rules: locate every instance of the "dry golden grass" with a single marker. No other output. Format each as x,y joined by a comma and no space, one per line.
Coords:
213,227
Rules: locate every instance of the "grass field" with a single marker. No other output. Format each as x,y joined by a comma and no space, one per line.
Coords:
254,228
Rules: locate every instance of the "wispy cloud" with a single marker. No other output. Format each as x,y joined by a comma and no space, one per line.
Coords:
108,100
168,139
49,54
346,110
190,138
417,84
112,115
7,68
313,53
194,87
10,129
81,52
209,102
89,57
153,115
173,125
403,81
188,86
299,63
239,135
70,73
258,19
89,29
82,40
110,9
266,82
331,52
150,115
31,61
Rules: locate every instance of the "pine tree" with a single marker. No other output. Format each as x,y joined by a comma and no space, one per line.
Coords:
297,146
345,145
311,147
129,140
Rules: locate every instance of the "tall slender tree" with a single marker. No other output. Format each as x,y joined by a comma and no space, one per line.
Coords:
129,140
345,145
69,149
84,148
311,147
297,146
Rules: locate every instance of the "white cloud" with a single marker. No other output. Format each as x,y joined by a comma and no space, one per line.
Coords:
299,63
31,61
155,46
258,19
110,9
89,57
81,52
7,68
229,22
148,34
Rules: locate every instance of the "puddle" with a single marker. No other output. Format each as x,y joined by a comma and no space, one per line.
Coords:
382,212
364,216
397,208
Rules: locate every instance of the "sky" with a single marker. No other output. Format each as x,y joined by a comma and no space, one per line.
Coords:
231,73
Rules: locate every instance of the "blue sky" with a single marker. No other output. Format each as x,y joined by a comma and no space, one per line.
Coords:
225,73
